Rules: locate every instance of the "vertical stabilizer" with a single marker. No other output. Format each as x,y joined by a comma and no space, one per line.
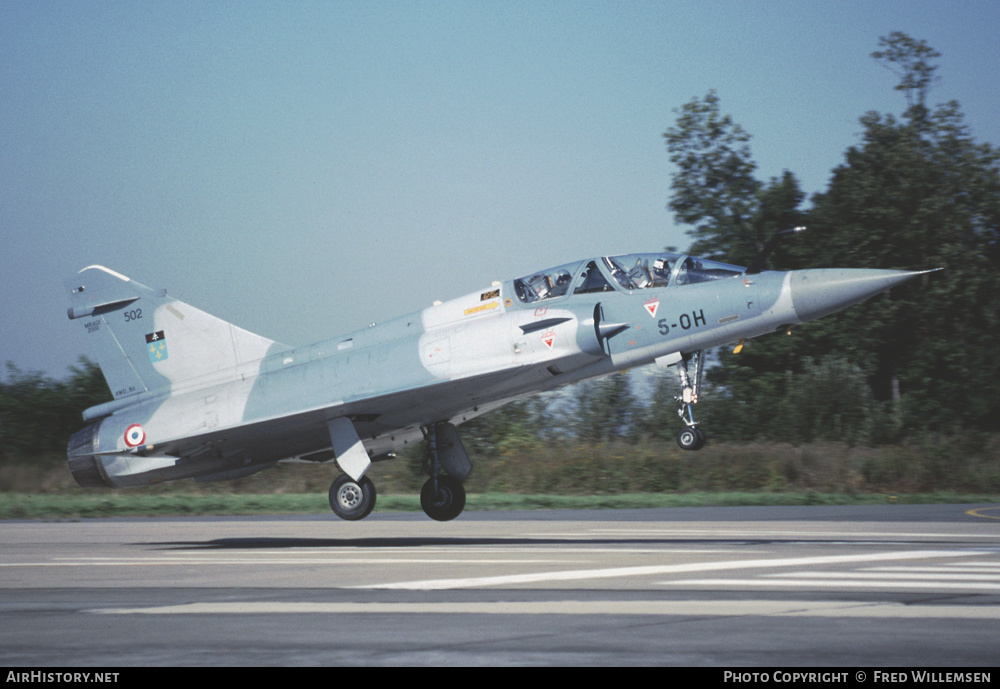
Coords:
144,340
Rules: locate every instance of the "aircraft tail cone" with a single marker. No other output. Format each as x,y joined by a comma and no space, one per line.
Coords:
820,292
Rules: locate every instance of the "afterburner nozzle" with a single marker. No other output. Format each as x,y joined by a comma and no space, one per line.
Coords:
822,291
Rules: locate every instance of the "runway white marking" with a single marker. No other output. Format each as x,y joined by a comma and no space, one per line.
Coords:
838,583
633,607
952,577
953,567
890,576
613,572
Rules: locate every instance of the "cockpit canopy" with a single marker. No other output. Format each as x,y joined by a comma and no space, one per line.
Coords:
629,272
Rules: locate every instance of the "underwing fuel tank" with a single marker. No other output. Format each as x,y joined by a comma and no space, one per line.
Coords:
821,291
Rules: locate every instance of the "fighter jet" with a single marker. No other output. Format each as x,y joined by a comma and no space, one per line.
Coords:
198,397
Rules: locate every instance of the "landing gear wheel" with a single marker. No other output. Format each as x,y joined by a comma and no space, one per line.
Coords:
447,502
352,500
691,438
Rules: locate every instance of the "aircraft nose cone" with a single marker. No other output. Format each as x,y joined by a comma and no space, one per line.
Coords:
820,292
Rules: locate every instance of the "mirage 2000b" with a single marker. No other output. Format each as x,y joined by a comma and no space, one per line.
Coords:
197,397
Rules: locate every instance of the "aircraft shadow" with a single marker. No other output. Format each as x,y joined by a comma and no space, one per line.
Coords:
263,543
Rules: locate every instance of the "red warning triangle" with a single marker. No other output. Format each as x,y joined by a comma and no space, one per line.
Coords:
652,305
549,339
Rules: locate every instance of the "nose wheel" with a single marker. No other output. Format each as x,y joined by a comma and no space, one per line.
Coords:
691,438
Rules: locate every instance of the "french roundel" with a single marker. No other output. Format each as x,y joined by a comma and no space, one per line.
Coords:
134,435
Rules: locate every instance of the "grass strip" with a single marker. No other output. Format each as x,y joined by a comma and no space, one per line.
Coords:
55,506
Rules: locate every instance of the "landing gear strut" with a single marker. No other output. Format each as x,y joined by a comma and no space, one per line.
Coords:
690,437
442,497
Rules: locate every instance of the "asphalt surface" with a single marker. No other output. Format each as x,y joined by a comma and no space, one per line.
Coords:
891,586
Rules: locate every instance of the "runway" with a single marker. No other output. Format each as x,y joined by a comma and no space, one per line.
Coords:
889,586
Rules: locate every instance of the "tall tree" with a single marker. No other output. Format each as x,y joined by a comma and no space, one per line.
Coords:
715,189
909,59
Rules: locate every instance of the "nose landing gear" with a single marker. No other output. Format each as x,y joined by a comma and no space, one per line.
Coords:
690,437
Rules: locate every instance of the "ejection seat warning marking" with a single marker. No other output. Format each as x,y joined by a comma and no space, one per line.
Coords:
652,306
549,339
156,345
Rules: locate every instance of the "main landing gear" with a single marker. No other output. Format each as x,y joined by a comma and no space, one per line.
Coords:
690,437
352,500
442,496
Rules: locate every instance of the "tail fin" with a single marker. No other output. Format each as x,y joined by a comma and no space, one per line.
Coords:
144,340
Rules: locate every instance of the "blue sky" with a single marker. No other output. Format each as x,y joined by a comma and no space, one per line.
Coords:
305,168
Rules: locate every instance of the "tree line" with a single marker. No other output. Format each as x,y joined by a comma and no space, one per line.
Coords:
38,414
